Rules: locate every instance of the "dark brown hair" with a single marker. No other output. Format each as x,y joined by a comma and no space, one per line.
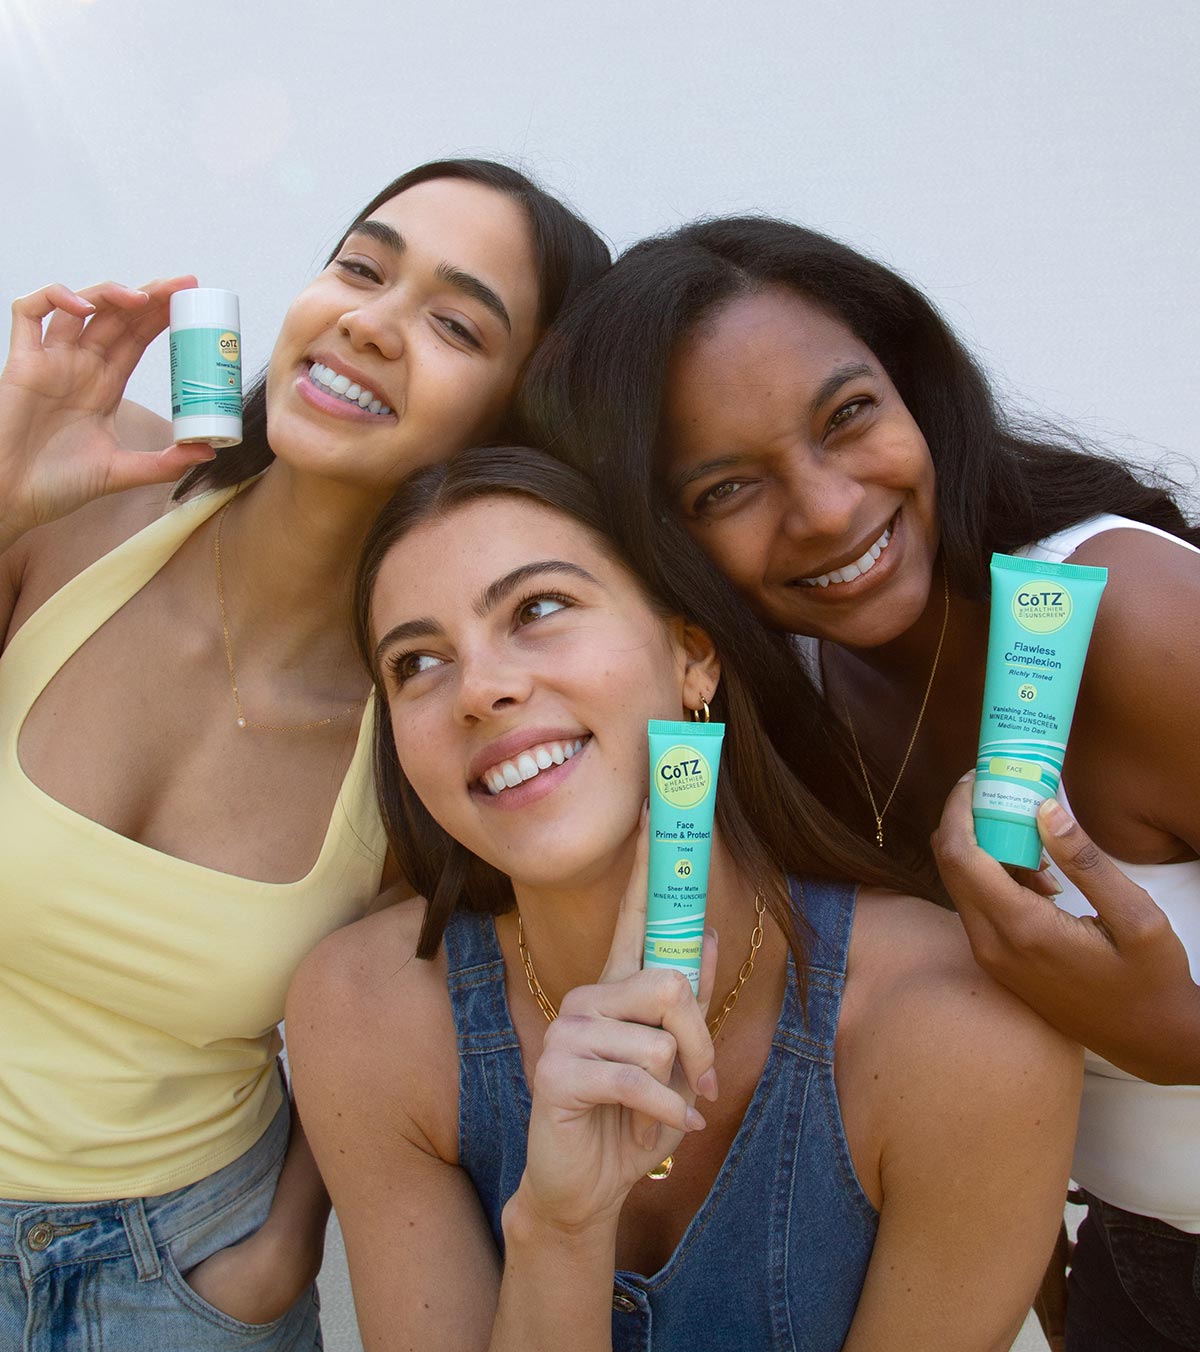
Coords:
775,822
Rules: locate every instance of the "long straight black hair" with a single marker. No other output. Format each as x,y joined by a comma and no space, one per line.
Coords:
775,821
594,391
568,253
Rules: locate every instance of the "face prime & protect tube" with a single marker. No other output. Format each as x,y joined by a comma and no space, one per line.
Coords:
684,760
1041,622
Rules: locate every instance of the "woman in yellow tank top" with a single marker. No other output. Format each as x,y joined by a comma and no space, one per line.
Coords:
185,794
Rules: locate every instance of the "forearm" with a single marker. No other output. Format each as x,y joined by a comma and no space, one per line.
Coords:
557,1287
300,1208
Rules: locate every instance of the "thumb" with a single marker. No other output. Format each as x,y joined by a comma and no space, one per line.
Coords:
137,469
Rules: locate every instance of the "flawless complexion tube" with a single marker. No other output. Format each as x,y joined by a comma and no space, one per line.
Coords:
1041,622
684,760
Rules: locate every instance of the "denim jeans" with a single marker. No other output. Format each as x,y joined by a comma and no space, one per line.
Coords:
107,1276
1134,1285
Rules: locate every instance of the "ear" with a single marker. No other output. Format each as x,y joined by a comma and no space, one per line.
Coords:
702,666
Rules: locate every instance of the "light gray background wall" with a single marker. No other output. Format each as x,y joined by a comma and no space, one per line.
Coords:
1032,166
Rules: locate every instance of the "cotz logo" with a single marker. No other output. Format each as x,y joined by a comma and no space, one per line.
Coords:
230,348
683,776
1042,606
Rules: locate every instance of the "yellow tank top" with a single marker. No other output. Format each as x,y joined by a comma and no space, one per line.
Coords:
139,993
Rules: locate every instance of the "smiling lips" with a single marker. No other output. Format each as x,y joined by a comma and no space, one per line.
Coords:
508,774
342,387
850,571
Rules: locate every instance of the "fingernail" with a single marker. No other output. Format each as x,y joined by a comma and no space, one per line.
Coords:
645,812
694,1121
969,775
1056,819
87,304
1054,885
706,1085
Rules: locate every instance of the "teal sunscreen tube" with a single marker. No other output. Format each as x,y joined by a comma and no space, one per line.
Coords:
1042,617
684,759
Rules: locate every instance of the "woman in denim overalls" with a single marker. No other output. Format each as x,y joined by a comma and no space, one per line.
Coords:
487,1117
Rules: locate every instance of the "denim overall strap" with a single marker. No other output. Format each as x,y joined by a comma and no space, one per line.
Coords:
493,1100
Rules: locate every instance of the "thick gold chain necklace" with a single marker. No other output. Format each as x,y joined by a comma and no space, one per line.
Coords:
546,1005
240,714
879,812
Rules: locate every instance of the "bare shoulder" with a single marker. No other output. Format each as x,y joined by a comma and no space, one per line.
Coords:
931,1048
370,1023
48,557
1132,768
911,976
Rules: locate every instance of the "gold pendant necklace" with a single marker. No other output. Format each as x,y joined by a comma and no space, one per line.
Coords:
240,715
546,1005
879,812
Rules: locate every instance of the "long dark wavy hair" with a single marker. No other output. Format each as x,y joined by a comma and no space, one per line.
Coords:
594,391
568,253
775,820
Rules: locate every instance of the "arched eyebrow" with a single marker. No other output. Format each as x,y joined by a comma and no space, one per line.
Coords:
466,282
488,599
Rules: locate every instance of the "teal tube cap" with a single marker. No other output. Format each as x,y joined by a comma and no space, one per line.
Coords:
1009,842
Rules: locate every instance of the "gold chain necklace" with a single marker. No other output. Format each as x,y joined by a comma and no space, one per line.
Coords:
241,719
879,812
546,1005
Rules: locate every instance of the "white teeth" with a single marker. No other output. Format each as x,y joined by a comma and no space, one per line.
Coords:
850,571
529,763
344,388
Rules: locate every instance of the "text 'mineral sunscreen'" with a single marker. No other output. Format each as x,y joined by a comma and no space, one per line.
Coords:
684,760
1041,622
206,367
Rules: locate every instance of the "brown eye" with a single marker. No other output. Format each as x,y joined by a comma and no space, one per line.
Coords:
404,666
848,412
721,492
538,607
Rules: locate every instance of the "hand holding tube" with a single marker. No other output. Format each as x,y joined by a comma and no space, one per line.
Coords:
614,1089
1117,982
59,395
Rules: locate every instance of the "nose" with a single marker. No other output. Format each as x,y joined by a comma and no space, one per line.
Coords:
377,323
489,683
821,499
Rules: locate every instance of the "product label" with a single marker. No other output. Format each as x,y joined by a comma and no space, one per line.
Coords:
674,950
1014,769
206,373
1042,605
682,776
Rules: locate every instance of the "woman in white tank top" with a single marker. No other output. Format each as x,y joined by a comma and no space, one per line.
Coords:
810,421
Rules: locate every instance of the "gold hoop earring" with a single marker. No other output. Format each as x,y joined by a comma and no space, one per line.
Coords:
703,714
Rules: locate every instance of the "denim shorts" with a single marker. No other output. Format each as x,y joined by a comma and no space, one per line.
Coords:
107,1276
1134,1284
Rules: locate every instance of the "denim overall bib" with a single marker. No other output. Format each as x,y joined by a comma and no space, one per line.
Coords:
776,1256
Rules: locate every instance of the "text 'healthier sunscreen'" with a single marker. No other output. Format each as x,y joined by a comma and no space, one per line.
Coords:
684,760
1041,622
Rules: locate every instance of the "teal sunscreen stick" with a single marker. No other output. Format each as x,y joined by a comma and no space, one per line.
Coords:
206,367
1042,617
684,760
